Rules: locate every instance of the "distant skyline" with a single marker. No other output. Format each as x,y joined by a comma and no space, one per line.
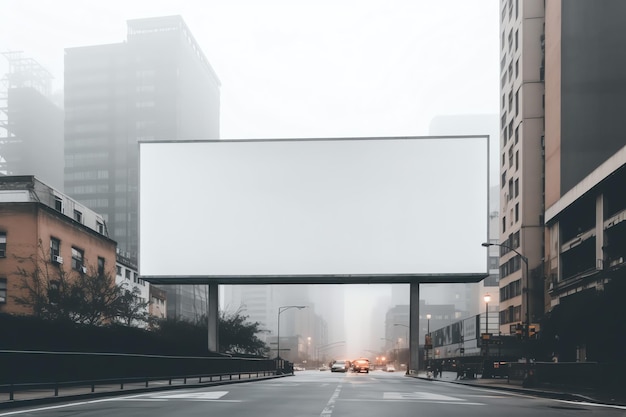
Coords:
301,69
290,69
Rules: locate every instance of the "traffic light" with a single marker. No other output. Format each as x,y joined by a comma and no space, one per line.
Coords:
519,330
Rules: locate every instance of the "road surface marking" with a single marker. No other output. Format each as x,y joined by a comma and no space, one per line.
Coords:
424,396
328,410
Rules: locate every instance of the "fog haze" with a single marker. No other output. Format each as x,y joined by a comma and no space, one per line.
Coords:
356,68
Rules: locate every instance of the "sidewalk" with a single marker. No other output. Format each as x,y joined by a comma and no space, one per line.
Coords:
562,393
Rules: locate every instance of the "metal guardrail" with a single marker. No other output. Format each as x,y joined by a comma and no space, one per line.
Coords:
24,371
56,387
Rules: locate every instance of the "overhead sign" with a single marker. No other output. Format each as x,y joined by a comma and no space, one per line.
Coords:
353,210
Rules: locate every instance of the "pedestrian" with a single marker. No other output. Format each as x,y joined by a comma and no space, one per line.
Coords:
459,371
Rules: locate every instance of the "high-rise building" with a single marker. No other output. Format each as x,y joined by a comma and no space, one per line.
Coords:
156,86
31,125
521,228
585,167
563,163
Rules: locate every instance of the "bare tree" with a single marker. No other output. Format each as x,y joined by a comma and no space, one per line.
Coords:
90,297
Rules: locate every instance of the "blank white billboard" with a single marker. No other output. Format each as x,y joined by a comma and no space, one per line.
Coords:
314,210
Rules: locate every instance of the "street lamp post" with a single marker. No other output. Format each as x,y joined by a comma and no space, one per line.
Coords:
280,310
527,291
408,345
428,340
487,298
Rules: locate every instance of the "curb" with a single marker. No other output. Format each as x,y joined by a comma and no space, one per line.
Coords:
557,395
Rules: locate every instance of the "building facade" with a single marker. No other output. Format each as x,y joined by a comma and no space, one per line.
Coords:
563,168
156,86
585,169
521,162
43,232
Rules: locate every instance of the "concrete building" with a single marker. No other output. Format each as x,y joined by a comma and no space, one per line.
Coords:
28,148
42,231
585,162
562,156
127,277
156,86
521,159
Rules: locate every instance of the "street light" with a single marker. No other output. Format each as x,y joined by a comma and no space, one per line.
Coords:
280,310
428,340
487,298
526,290
406,333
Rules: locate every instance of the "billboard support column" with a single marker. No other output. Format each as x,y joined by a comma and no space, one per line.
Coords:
414,327
213,315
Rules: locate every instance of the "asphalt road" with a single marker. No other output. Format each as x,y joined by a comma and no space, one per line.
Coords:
324,394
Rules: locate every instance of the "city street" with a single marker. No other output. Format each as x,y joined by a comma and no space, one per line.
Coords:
325,394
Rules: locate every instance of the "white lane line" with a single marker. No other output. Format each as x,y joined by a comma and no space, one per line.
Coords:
619,407
427,396
412,401
53,407
328,410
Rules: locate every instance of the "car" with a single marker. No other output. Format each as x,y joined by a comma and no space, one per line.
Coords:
361,365
340,366
390,368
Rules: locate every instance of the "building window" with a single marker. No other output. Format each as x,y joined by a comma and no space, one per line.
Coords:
3,290
516,187
517,134
55,251
100,227
517,102
517,68
77,259
135,277
516,212
58,204
100,266
3,244
118,270
127,275
516,160
516,39
78,216
503,224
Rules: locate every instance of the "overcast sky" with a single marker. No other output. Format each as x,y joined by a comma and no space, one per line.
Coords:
290,68
295,68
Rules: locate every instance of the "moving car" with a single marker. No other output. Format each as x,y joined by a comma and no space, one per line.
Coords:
361,365
340,366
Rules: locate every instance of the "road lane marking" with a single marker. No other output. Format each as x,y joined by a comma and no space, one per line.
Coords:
588,404
207,395
424,396
380,400
328,410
